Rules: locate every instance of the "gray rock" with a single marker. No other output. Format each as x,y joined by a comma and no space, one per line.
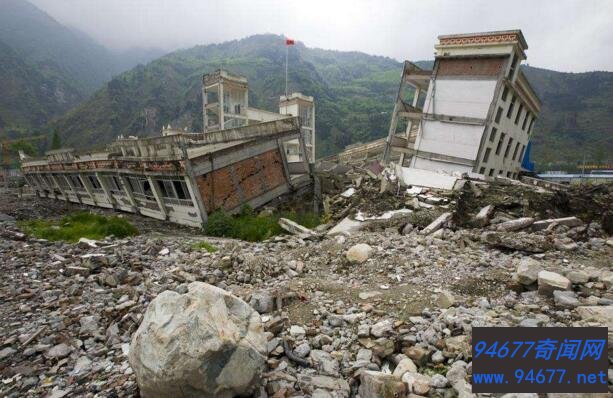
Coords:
527,270
405,365
383,328
445,299
515,225
302,350
262,302
417,383
550,281
325,363
439,381
578,277
565,299
378,384
203,343
59,351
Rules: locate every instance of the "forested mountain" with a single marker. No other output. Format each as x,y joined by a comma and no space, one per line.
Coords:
47,68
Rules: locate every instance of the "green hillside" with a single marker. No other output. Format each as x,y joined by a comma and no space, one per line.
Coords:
353,93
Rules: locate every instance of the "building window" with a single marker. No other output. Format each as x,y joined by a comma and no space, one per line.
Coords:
508,174
500,173
515,150
95,184
521,153
493,134
523,124
175,192
114,185
486,155
482,170
513,66
498,115
141,189
511,105
505,92
530,126
491,173
509,144
75,182
519,110
499,146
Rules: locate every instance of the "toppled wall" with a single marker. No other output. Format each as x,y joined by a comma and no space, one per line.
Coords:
229,187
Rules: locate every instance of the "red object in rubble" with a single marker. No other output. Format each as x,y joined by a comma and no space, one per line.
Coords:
289,42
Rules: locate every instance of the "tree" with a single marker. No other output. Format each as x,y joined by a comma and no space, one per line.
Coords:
56,142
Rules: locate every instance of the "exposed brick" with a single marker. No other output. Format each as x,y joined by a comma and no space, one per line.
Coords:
470,66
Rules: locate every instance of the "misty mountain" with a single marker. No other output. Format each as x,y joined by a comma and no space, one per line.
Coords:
47,68
354,95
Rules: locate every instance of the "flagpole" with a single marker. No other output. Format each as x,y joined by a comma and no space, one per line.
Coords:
286,58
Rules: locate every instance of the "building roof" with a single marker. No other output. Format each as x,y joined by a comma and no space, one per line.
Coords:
497,36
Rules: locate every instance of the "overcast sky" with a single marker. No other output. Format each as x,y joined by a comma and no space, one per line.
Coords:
565,35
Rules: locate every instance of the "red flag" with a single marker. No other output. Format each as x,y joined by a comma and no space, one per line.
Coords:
289,42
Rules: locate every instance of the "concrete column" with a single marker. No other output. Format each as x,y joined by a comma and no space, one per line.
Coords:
128,191
88,188
390,133
204,116
220,102
59,187
192,186
106,190
158,196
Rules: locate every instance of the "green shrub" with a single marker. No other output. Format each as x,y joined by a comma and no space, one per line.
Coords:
204,245
254,228
79,225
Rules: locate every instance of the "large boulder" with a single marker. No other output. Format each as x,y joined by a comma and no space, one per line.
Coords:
358,254
204,343
549,281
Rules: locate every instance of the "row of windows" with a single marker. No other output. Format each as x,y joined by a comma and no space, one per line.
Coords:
525,126
172,190
499,146
491,173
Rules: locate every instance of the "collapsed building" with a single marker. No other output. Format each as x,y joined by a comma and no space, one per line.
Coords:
474,112
245,156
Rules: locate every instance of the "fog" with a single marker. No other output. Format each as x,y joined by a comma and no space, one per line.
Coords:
562,35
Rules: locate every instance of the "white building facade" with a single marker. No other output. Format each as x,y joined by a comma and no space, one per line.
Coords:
473,112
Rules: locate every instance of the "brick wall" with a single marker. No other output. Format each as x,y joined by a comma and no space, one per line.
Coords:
470,66
240,182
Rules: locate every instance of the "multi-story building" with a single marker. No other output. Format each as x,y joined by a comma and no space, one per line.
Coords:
182,177
225,104
473,112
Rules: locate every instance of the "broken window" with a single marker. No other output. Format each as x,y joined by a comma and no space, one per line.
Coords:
506,151
498,115
508,174
114,185
141,189
482,170
486,155
493,134
519,110
500,141
491,173
530,126
505,92
511,105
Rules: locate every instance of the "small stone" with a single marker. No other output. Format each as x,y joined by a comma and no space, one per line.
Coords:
378,384
359,253
445,299
417,383
438,381
59,351
578,277
297,331
527,270
302,350
405,365
383,328
565,299
550,281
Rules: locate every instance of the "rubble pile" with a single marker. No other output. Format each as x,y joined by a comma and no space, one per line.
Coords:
384,307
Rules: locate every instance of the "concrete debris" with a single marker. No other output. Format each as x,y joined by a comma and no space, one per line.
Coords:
515,225
437,224
355,307
549,281
566,221
295,228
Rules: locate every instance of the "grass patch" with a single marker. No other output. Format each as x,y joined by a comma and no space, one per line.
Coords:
78,225
204,245
252,227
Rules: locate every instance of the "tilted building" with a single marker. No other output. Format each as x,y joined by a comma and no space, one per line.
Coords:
240,159
473,112
225,104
